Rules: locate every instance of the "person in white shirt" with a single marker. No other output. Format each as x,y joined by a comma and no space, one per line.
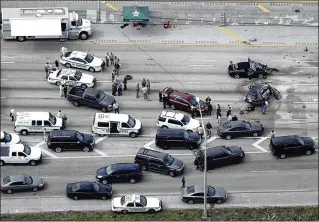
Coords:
59,114
200,131
116,107
12,114
61,90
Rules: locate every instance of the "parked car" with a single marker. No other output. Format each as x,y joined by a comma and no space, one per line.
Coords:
177,138
119,172
9,138
136,204
249,69
88,190
60,140
71,77
92,98
174,120
259,93
183,101
219,156
20,154
240,128
19,183
159,162
282,146
195,194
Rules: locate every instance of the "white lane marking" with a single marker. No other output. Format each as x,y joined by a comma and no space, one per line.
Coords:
305,84
264,171
4,79
49,154
2,115
305,102
256,144
306,61
39,144
147,145
208,141
308,67
103,81
2,97
8,62
97,150
203,60
50,177
200,65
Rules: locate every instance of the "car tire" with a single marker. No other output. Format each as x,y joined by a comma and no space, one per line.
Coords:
9,191
236,76
151,211
261,76
228,137
104,181
104,198
21,38
143,168
190,201
75,197
165,147
86,149
124,211
255,134
104,110
33,162
24,132
164,127
132,181
91,69
282,156
35,189
219,201
76,104
308,152
68,65
172,173
132,135
173,107
191,147
84,36
58,149
101,135
84,86
58,83
2,163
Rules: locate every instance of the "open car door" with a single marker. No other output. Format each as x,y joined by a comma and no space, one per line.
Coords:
276,93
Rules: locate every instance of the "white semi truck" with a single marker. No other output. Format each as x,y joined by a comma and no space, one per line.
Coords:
43,23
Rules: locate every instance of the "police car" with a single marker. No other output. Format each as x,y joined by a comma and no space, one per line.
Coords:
81,60
72,78
136,203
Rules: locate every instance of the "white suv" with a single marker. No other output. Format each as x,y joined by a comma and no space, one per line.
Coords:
175,120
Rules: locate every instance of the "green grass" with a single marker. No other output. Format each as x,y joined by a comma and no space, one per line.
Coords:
237,214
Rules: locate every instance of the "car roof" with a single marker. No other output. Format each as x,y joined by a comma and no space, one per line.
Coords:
183,95
32,115
170,132
172,115
69,72
124,166
152,153
284,139
111,117
77,54
232,124
17,178
213,151
62,132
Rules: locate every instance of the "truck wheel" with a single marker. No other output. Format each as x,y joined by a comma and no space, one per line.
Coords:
76,104
132,135
2,163
84,35
91,69
104,110
24,132
68,65
33,162
21,38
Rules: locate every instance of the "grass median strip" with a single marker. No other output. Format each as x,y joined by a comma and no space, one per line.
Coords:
307,213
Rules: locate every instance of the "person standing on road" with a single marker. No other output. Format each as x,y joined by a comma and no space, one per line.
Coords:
137,90
209,129
160,96
200,131
148,85
228,112
114,89
61,89
111,57
116,107
193,111
59,114
119,89
46,69
143,83
183,182
12,114
208,100
272,134
165,100
65,90
209,109
107,59
56,64
264,107
144,91
218,112
234,118
125,83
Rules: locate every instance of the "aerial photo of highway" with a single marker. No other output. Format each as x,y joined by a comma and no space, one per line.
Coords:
159,110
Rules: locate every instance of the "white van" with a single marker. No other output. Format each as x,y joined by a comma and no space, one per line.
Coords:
37,122
116,124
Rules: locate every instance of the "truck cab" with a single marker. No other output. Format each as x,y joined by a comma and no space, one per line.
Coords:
20,154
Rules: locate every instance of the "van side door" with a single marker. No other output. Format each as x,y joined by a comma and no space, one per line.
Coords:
125,129
47,125
103,128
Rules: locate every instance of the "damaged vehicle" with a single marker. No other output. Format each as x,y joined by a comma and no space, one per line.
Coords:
258,93
249,69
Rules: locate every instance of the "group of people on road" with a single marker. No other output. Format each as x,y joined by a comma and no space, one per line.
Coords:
146,88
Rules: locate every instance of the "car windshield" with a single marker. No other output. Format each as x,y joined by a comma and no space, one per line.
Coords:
88,58
27,149
193,101
75,187
123,200
228,150
100,95
247,125
143,200
169,160
186,135
7,137
301,141
190,189
6,180
169,90
78,75
185,120
131,121
28,179
59,73
108,169
79,136
96,187
52,119
211,191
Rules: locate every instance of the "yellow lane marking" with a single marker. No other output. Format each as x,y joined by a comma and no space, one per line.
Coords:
262,8
227,31
111,6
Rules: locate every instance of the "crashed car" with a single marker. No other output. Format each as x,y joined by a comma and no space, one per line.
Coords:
72,78
249,69
183,101
81,60
259,93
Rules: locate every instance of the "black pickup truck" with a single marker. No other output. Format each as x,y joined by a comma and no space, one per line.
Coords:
92,98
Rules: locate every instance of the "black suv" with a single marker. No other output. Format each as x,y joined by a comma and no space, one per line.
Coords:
282,146
219,156
59,140
177,138
119,172
159,162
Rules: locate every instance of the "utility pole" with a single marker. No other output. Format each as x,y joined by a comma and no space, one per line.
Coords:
98,15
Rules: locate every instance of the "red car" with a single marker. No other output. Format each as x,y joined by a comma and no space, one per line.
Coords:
183,101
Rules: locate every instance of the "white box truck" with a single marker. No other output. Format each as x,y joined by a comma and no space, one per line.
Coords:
43,23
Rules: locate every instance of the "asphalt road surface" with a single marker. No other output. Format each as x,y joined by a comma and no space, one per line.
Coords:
199,70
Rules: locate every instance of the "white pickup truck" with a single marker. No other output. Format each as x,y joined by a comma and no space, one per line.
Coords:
20,154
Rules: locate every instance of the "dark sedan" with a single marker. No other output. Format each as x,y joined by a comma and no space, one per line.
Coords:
240,128
195,194
259,93
18,183
88,190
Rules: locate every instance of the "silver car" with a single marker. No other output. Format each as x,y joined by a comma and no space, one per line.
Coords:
195,194
18,183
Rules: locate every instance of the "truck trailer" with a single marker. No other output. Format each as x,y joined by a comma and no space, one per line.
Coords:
43,23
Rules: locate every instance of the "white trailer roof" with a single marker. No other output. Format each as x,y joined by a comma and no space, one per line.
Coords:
29,13
36,27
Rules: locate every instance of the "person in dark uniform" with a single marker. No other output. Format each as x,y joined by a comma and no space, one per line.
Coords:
193,111
125,83
183,182
218,112
65,90
114,89
209,109
160,96
234,118
165,100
